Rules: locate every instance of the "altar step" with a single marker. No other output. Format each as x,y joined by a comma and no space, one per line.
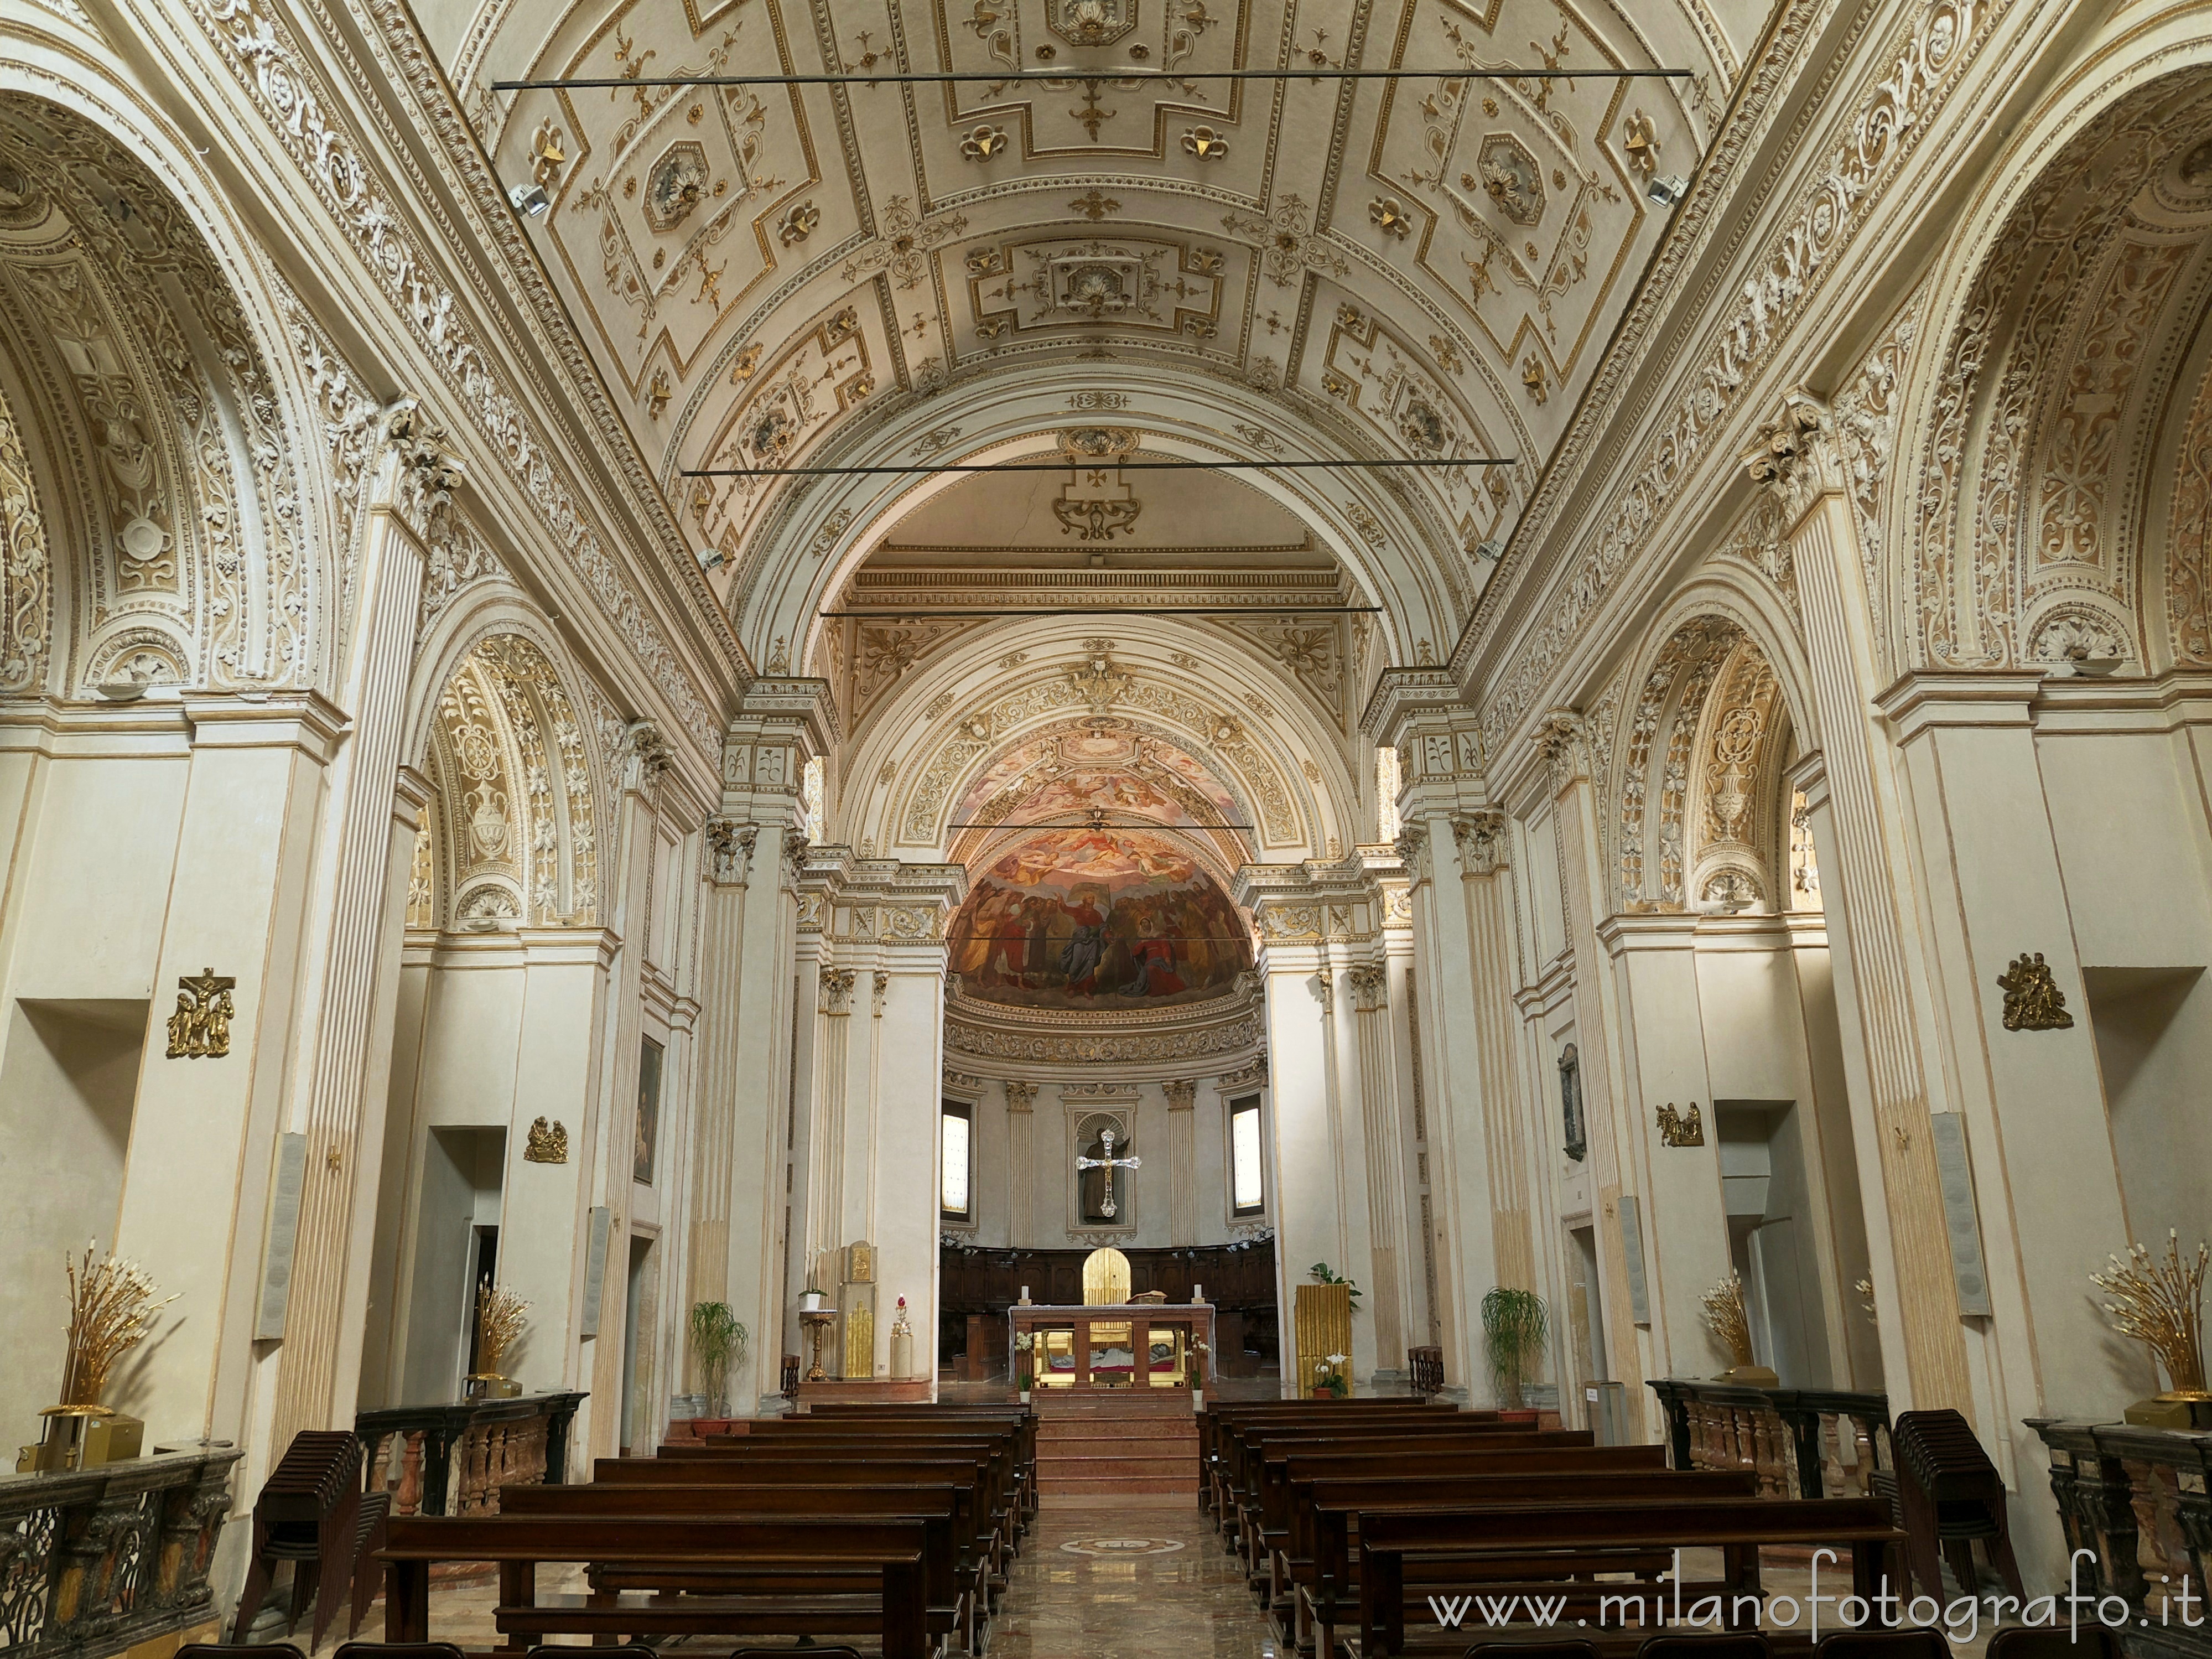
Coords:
1116,1445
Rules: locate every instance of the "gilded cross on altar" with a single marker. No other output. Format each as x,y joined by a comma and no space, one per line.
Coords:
1109,1164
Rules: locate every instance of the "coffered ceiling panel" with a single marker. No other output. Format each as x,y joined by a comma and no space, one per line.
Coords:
1415,267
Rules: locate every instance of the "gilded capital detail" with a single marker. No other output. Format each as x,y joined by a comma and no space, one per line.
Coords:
1562,738
838,990
1481,839
1793,457
1371,986
730,851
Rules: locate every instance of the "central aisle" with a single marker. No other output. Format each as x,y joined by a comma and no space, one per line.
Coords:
1127,1581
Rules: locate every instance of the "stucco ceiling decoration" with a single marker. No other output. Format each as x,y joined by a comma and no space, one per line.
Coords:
830,250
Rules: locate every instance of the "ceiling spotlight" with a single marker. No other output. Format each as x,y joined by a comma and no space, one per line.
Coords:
1666,189
710,558
1493,549
531,199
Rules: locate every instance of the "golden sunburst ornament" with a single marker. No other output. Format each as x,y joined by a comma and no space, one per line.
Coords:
2162,1305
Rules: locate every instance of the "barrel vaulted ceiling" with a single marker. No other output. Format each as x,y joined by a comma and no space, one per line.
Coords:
773,274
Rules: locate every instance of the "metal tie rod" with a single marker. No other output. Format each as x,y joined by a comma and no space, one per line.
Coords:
1086,463
1012,77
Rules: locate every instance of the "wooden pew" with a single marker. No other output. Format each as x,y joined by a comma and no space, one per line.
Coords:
960,1422
1582,1538
1212,1420
1322,1557
952,1574
802,1553
990,1459
1253,1471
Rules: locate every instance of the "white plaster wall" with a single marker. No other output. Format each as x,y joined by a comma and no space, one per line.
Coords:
1051,1173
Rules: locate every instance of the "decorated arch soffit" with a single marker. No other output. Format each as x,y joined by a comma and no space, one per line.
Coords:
2063,423
511,835
1021,725
768,275
158,530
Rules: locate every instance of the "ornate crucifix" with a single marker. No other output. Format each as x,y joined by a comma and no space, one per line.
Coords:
1109,1164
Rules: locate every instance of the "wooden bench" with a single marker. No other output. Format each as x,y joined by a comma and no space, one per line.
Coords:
1322,1562
989,1461
1257,1457
1579,1539
796,1563
955,1581
920,1422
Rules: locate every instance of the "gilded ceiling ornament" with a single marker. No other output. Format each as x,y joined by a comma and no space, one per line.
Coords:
984,142
1511,177
675,187
906,237
798,223
1640,139
1289,246
747,363
1091,22
548,154
1533,377
1095,206
657,396
200,1029
1091,115
1204,144
548,1142
2033,1000
1387,214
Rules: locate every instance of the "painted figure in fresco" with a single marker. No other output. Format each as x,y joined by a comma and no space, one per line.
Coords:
1079,959
1156,975
1036,916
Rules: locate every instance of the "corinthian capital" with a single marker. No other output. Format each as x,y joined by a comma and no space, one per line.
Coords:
730,851
424,473
1793,457
1413,853
1481,839
1562,740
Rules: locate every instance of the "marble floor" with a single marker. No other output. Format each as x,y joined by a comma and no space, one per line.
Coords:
1105,1581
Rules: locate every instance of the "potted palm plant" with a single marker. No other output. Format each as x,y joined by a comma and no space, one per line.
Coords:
1514,1327
718,1341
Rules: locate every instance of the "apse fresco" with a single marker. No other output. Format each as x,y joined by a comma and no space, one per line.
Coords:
1097,920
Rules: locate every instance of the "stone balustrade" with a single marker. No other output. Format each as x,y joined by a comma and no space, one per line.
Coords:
2136,1499
98,1561
1793,1439
453,1459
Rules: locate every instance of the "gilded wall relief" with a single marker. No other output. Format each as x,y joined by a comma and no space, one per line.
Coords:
1097,920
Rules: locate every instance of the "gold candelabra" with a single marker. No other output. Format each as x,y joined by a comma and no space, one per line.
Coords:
2161,1305
1725,1318
111,1310
499,1327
